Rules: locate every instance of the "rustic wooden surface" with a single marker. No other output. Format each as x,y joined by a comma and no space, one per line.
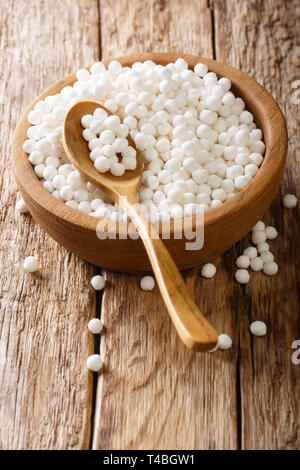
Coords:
153,394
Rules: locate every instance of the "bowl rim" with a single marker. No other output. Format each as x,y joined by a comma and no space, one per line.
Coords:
267,114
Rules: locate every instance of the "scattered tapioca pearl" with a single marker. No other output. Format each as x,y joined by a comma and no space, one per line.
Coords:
256,264
94,363
271,233
258,328
261,247
224,341
258,226
243,262
147,283
258,236
95,326
21,207
267,256
270,268
242,276
289,201
98,282
250,252
208,270
31,264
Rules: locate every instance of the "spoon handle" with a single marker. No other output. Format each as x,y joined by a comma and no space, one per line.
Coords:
192,327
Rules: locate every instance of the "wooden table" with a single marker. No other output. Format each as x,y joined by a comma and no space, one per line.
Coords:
153,394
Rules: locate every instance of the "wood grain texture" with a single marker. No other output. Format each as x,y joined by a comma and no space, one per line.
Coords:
45,389
155,394
265,46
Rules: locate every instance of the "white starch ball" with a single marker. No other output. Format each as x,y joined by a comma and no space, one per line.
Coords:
208,270
95,326
147,283
259,236
242,276
243,262
21,207
271,233
258,328
224,341
251,252
270,268
94,362
256,264
289,201
31,264
98,282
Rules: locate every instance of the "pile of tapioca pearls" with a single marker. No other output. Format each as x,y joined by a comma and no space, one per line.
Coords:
198,143
250,258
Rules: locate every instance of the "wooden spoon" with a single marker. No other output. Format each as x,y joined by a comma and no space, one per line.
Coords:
192,327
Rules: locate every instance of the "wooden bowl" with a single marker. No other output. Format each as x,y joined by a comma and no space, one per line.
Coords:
224,225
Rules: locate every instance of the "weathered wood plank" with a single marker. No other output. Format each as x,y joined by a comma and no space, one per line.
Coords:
260,39
45,389
155,394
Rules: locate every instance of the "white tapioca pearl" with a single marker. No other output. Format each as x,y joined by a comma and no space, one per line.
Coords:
214,181
117,169
95,326
94,143
208,117
163,144
129,163
243,262
49,172
256,158
96,203
190,165
259,236
200,69
215,203
81,194
241,181
228,185
94,363
82,75
219,194
257,147
270,268
242,137
258,226
88,134
241,159
107,137
75,180
289,201
39,170
224,342
172,165
98,282
34,117
155,166
66,193
35,158
100,114
267,256
251,252
200,175
87,120
251,170
262,247
84,207
188,198
271,233
256,264
21,207
246,117
97,68
164,176
242,276
208,270
175,195
188,148
31,264
59,181
258,328
203,198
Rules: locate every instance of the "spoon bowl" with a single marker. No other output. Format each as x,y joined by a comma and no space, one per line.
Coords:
78,153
